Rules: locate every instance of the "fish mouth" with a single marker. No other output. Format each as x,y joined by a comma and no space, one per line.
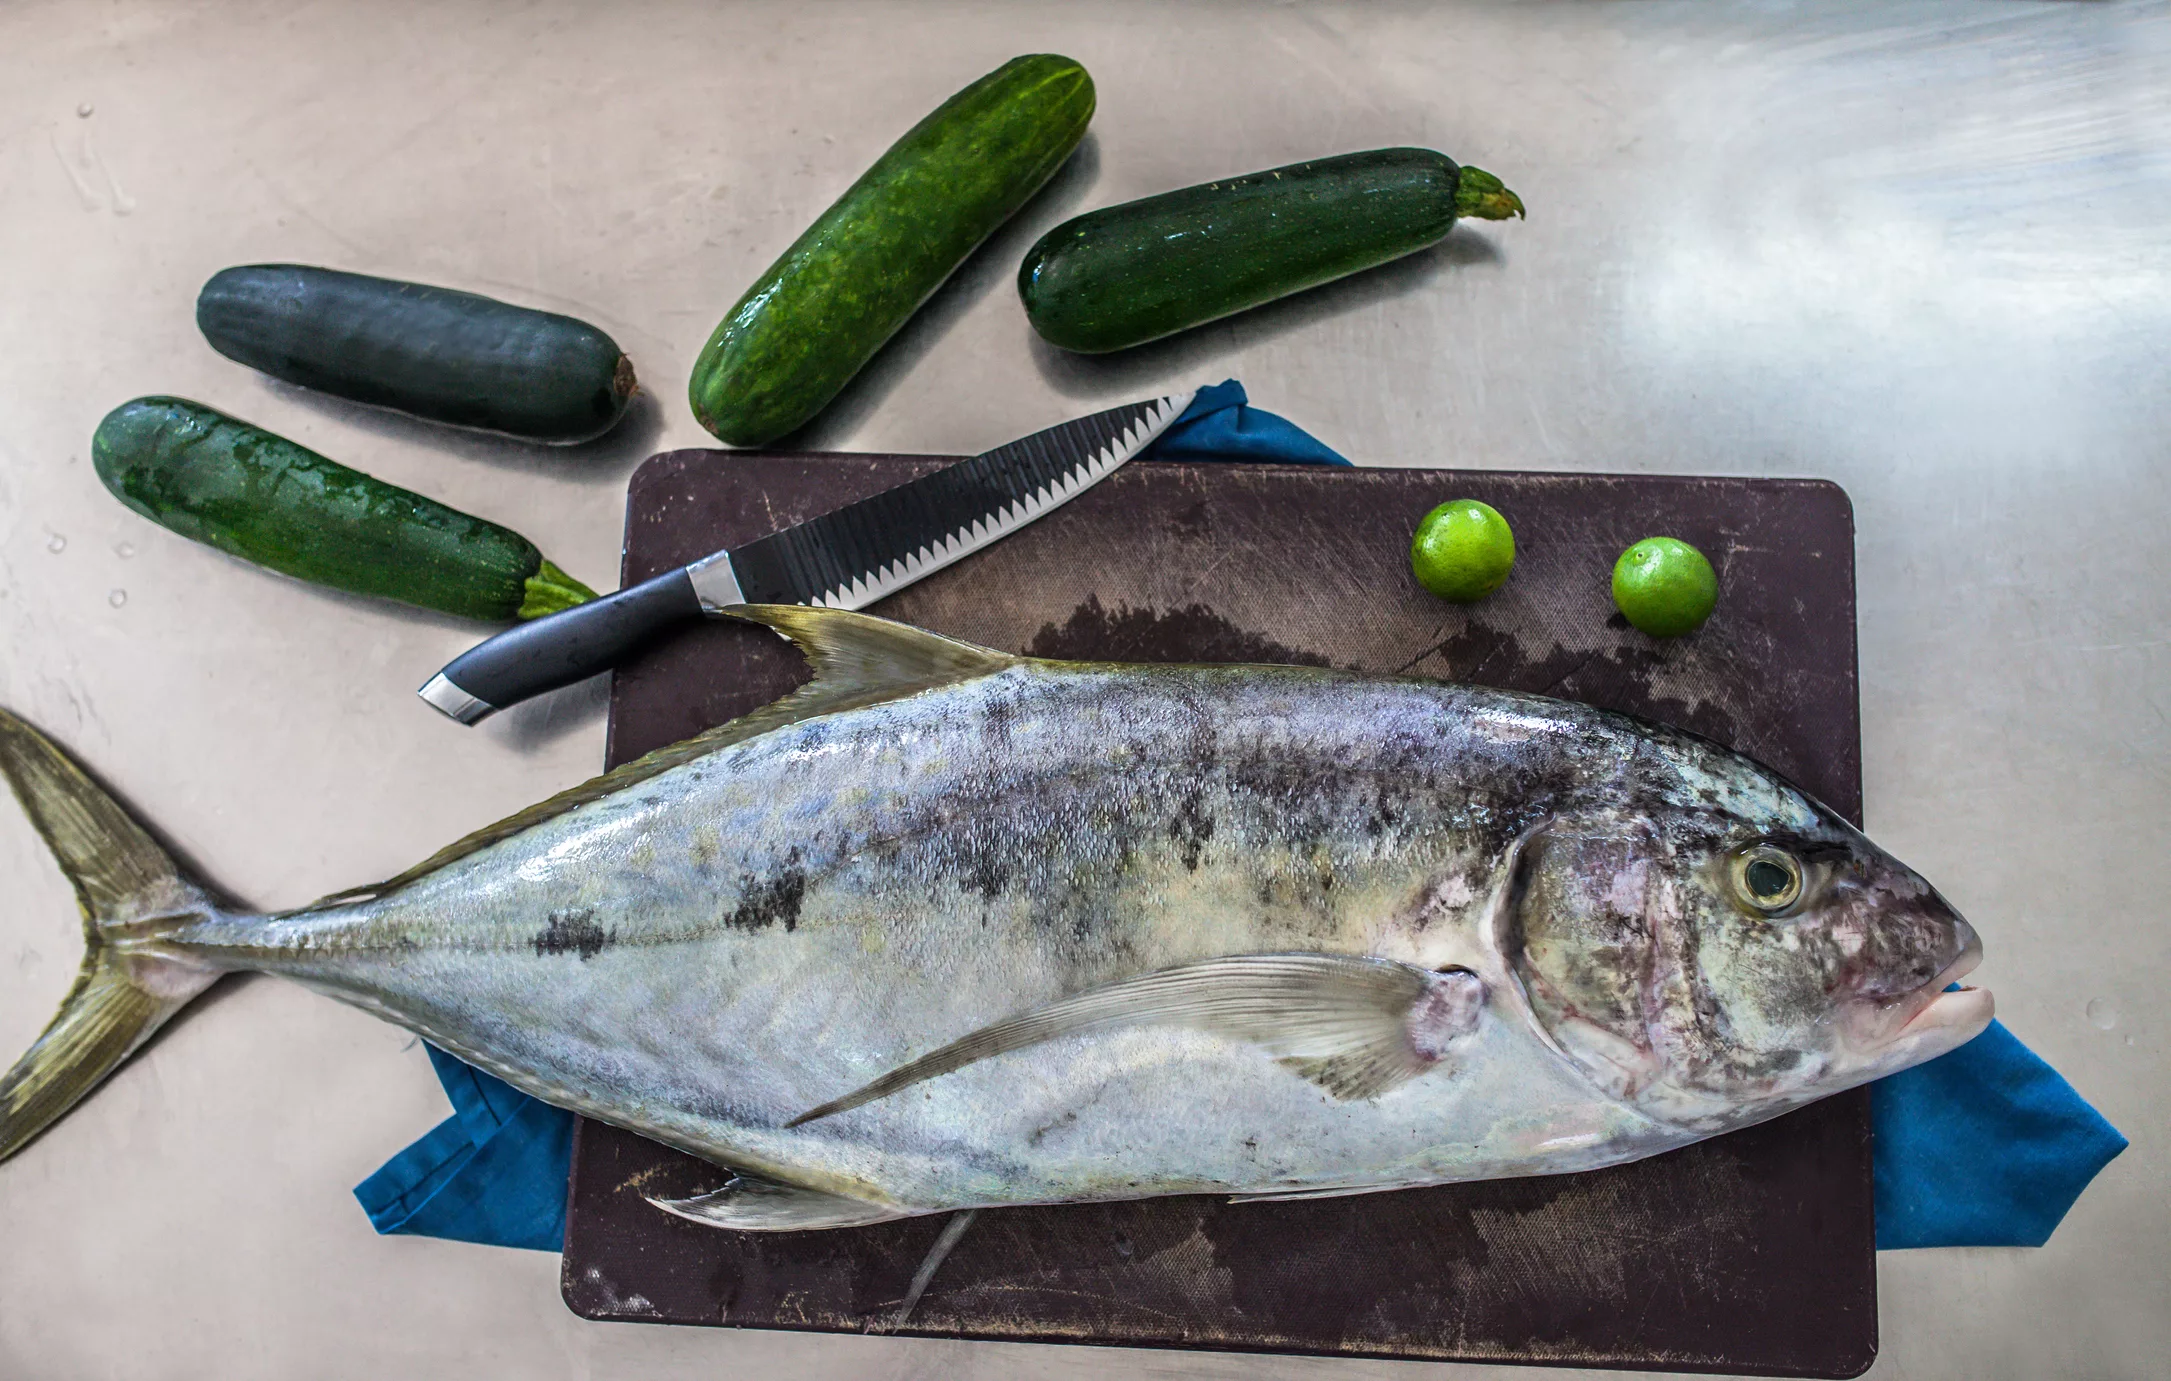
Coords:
1963,1007
1932,1012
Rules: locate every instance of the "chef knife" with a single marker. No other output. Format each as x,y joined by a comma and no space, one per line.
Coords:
845,559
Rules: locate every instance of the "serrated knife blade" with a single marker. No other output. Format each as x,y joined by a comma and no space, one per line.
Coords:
844,559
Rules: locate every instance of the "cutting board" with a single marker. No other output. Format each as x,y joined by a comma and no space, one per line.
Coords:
1750,1253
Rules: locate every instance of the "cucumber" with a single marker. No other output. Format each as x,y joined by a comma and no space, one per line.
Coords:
860,271
1127,274
265,499
448,356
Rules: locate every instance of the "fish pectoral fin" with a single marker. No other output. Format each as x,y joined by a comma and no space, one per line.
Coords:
1353,1025
1358,1073
748,1203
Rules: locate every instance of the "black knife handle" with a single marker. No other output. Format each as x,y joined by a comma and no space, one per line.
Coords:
559,649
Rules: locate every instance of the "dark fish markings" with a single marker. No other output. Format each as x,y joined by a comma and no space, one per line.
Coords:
1190,828
1040,1133
573,932
986,872
996,717
764,902
1193,824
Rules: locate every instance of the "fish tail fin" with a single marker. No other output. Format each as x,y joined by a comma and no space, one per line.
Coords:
132,894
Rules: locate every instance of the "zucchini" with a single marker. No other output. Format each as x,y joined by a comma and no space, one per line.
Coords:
448,356
265,499
1127,274
867,263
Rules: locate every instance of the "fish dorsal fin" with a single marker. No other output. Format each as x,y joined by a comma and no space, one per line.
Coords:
858,660
1353,1025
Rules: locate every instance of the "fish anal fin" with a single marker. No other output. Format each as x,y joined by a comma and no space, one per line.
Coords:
1354,1025
858,660
748,1203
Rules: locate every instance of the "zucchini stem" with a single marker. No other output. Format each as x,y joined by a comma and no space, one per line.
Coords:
550,590
1480,194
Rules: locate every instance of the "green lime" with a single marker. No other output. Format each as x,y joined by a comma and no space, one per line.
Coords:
1665,586
1462,551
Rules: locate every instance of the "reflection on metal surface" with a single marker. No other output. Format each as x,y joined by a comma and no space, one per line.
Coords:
715,582
442,693
1913,217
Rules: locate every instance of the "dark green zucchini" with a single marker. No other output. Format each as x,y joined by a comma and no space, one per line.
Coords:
860,271
448,356
263,498
1124,275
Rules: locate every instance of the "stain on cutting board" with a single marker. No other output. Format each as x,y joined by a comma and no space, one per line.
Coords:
1193,633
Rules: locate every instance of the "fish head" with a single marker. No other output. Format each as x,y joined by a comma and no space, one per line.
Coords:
1718,954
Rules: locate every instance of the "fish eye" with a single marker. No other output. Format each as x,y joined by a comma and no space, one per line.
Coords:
1767,878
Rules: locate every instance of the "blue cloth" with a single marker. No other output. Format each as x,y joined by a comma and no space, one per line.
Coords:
1984,1147
1221,424
494,1172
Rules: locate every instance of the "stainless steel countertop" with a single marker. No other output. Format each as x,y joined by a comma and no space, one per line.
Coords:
1919,248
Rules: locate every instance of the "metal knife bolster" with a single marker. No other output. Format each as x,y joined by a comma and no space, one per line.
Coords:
448,698
715,584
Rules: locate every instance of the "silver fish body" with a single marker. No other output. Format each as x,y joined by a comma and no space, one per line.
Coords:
1316,932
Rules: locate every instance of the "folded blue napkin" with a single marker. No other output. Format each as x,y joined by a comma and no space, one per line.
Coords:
1221,424
1984,1147
494,1172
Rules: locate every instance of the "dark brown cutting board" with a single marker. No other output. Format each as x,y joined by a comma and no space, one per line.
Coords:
1751,1253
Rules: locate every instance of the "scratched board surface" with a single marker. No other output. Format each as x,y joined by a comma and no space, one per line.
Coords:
1750,1253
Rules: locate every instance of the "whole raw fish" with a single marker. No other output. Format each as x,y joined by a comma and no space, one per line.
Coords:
950,928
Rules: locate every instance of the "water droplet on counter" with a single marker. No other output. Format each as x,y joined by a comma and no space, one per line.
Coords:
2101,1014
82,112
117,598
56,544
125,550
